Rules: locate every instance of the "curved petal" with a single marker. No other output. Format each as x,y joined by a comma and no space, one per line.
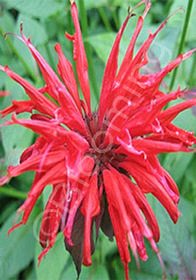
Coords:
90,208
80,57
110,73
65,70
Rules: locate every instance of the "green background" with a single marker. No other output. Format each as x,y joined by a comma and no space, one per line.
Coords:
46,21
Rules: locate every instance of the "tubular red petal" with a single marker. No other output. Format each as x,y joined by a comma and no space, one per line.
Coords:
43,253
141,57
46,129
138,88
110,72
52,176
52,131
79,188
71,117
148,182
114,196
54,85
169,114
33,163
14,227
136,122
163,177
116,124
180,135
4,93
52,81
65,70
129,53
133,246
147,210
90,208
118,214
131,204
147,145
55,175
18,107
40,102
126,115
80,57
139,242
52,216
4,180
120,234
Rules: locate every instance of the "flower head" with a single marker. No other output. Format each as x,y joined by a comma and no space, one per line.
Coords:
101,164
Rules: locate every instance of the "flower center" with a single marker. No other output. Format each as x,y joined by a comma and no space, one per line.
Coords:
103,154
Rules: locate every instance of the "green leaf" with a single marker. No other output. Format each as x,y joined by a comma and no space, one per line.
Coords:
177,164
102,44
46,194
177,244
17,250
14,278
186,119
150,270
96,271
36,8
32,275
15,138
6,24
89,4
188,185
52,265
7,211
159,50
178,19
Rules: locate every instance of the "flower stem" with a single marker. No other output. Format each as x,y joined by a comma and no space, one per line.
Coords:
70,31
182,41
17,53
116,19
105,19
50,58
88,47
192,72
9,191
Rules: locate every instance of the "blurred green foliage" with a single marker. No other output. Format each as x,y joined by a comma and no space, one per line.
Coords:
46,21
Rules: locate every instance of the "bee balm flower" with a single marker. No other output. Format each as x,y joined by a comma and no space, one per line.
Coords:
101,164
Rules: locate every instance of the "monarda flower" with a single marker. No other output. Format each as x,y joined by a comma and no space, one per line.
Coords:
101,164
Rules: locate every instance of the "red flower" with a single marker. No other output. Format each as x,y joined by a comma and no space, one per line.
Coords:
92,163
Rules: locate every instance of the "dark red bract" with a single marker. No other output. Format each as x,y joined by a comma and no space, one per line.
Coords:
104,164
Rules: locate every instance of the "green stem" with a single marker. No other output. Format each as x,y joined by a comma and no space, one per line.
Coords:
182,41
70,30
105,19
192,72
9,191
88,47
115,18
17,53
84,21
50,58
